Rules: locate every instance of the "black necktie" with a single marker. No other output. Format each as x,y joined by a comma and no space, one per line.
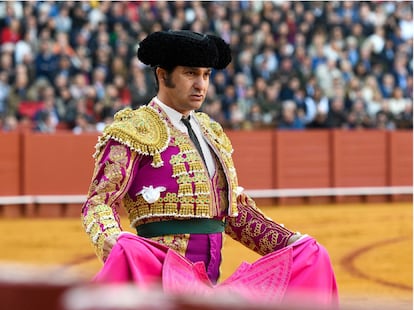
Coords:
193,136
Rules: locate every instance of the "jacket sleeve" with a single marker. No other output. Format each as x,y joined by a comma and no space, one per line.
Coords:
254,230
110,181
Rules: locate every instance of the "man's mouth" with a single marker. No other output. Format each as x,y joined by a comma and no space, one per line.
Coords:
197,96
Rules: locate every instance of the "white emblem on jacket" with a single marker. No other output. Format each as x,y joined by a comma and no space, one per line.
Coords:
151,194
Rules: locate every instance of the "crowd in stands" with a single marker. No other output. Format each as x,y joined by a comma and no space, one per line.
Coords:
296,64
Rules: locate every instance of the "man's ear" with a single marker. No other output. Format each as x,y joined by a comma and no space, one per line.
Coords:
161,74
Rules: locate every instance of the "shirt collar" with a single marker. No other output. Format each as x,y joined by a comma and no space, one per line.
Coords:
174,116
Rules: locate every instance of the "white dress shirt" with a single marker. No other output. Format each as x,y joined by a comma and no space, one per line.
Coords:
175,118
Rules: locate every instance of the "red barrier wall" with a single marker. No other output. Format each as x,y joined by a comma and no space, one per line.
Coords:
253,158
401,158
359,158
302,161
61,163
10,165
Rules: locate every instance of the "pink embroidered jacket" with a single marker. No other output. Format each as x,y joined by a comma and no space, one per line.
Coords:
152,170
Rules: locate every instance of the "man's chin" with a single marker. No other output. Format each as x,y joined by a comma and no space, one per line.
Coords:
196,103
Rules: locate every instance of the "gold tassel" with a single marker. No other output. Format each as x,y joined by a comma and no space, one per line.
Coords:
157,161
179,169
185,190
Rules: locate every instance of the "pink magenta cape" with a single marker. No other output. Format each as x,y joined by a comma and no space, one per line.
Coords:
301,271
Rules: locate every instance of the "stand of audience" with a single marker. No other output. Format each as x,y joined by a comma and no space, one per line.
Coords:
296,65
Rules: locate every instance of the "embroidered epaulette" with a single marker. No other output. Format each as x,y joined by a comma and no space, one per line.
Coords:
215,130
142,130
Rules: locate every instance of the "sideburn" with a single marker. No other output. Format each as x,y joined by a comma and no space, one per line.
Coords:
168,80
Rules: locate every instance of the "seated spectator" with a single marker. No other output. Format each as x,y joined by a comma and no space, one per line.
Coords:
358,117
387,85
46,62
44,122
255,117
4,93
319,121
83,124
9,123
316,103
214,110
371,94
236,117
269,104
383,120
397,102
11,33
337,117
404,120
289,119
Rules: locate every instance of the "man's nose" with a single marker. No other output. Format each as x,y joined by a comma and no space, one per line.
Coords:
200,82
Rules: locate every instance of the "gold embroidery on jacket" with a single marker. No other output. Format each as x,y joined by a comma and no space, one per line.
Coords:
178,243
142,130
222,144
258,232
101,218
191,176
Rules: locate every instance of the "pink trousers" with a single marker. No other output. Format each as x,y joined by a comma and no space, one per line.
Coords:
299,273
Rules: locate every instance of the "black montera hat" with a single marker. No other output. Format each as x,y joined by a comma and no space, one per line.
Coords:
184,48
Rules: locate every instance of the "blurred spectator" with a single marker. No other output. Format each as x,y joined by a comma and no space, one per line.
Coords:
337,116
78,86
319,121
48,117
23,50
269,103
404,119
10,33
384,120
62,20
227,100
397,102
83,124
46,62
357,117
213,109
387,85
237,117
141,85
316,104
265,63
19,94
289,118
255,118
9,123
44,122
371,94
4,93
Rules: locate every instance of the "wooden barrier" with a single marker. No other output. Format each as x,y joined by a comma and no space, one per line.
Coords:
10,164
253,158
62,164
56,164
400,152
302,161
360,158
